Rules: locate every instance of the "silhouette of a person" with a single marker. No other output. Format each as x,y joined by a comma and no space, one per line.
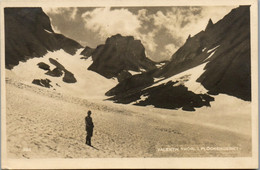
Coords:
89,128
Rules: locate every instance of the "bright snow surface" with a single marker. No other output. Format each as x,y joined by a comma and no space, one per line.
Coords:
187,78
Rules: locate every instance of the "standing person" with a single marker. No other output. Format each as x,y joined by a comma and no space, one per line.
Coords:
89,128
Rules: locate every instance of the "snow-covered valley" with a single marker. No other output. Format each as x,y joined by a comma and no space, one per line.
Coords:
45,123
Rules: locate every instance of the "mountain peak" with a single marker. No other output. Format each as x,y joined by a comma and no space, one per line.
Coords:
120,53
210,24
189,37
119,37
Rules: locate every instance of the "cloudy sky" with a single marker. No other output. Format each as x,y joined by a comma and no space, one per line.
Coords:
162,30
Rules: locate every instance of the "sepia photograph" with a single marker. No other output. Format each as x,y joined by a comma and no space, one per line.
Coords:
129,84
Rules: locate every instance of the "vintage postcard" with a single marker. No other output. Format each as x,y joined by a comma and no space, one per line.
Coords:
129,84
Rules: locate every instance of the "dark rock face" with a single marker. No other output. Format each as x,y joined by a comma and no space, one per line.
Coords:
69,77
87,52
57,64
228,69
42,82
132,84
120,53
210,24
28,34
57,72
123,75
174,97
43,66
166,96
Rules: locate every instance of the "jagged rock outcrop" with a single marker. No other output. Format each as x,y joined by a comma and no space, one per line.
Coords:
28,34
120,53
123,75
42,82
210,24
69,77
56,72
87,52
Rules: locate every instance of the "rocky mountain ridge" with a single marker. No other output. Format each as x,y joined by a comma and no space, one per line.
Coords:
28,34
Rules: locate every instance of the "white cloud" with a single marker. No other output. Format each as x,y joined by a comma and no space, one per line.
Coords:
181,22
47,9
55,28
176,23
74,13
70,12
148,41
168,51
216,12
108,22
142,15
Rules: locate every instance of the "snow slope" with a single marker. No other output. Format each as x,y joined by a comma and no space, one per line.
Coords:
187,78
89,84
50,125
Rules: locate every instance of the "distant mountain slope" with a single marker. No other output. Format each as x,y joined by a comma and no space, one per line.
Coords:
225,46
213,61
28,34
179,91
118,54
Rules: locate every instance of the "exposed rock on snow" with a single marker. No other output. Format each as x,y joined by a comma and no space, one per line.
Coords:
43,66
42,82
57,72
69,77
